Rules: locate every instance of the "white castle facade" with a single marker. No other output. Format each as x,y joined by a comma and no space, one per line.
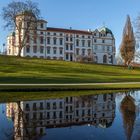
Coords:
65,44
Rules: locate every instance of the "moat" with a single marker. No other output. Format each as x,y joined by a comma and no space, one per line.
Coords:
100,117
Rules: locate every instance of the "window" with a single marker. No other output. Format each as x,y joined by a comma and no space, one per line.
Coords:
28,49
104,59
41,25
48,40
48,33
54,40
34,106
48,50
83,36
83,51
83,43
41,33
89,112
67,47
54,50
54,115
77,51
107,48
61,41
111,59
89,43
67,38
103,41
54,34
41,49
77,113
67,56
60,105
77,42
41,40
61,51
48,105
54,105
71,38
34,49
95,40
83,112
77,36
41,116
71,47
27,107
48,115
60,114
61,34
71,57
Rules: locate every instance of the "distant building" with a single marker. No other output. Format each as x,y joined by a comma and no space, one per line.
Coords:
31,118
65,44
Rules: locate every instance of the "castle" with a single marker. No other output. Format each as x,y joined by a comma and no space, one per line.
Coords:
96,46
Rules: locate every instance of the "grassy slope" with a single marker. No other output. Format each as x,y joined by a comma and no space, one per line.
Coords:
23,70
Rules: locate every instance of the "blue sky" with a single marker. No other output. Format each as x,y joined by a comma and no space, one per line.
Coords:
83,14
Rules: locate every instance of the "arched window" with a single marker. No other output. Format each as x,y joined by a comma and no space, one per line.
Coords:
111,59
105,59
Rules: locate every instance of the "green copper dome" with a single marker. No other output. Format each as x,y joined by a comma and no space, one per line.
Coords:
106,30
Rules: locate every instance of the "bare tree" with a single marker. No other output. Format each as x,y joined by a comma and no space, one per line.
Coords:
22,18
85,59
127,47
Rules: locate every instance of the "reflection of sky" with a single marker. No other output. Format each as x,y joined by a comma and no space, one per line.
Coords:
5,125
85,132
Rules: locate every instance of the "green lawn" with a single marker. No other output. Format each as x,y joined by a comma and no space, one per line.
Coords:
25,70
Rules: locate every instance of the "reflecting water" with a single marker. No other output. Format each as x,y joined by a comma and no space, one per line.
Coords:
96,117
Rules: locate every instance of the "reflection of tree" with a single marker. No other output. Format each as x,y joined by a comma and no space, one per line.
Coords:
128,110
22,122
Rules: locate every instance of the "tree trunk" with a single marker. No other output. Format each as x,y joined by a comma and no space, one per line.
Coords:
19,41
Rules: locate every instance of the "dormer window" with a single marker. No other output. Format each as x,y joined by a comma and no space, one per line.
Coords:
94,34
41,25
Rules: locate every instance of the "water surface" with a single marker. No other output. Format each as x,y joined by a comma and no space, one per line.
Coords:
93,117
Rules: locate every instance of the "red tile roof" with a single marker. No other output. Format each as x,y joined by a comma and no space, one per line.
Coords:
69,31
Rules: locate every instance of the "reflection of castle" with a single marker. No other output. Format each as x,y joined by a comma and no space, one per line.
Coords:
32,117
